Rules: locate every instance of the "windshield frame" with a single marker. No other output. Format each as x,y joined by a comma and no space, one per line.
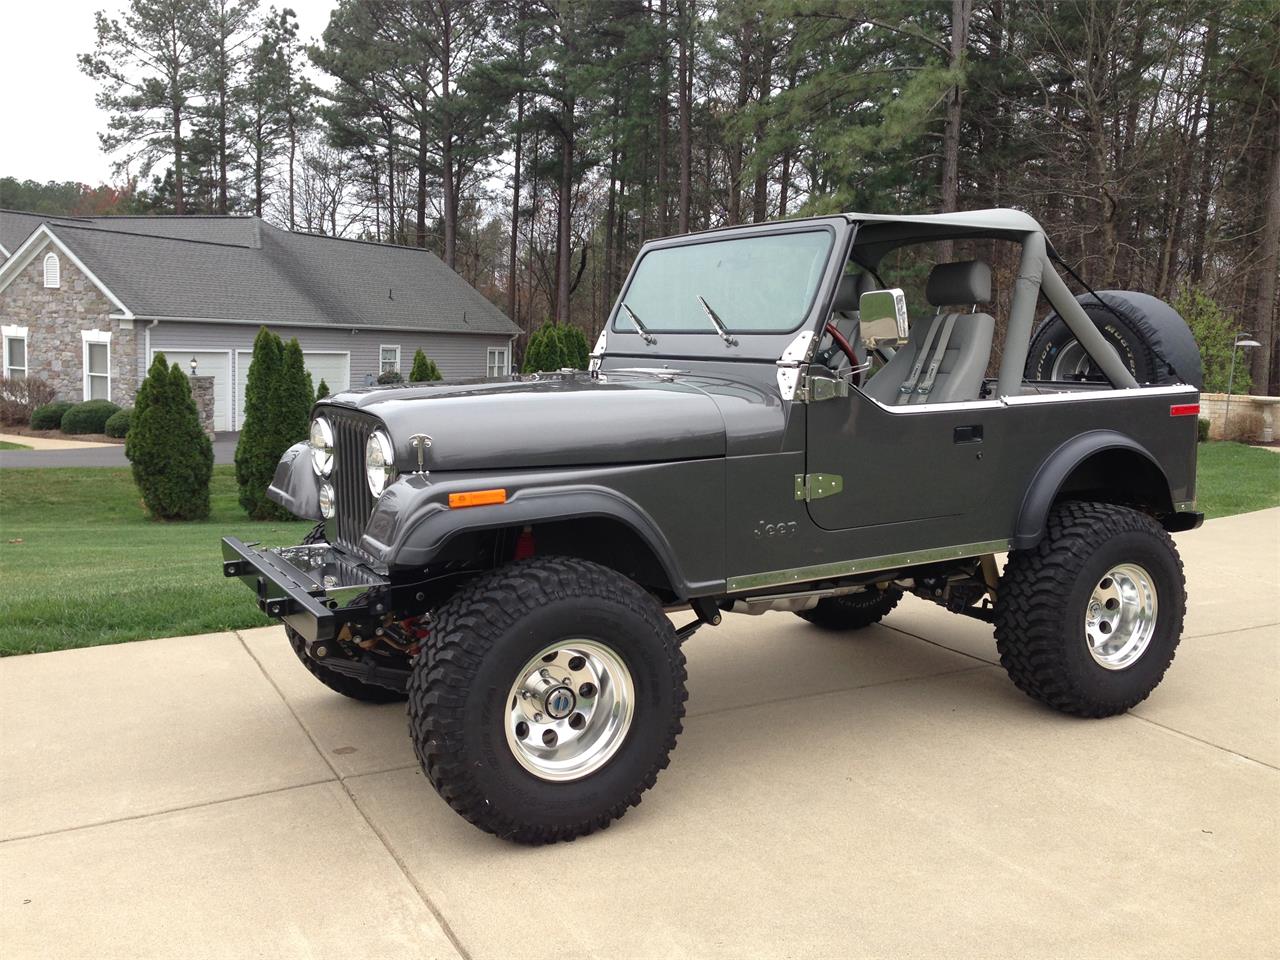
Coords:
706,343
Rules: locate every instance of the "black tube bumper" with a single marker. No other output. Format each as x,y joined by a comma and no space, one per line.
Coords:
313,588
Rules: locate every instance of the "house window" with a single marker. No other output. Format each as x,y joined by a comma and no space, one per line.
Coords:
15,352
52,271
497,364
97,364
389,359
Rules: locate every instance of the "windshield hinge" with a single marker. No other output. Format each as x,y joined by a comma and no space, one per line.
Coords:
815,486
815,388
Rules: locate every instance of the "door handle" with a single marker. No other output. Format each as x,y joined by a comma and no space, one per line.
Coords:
970,433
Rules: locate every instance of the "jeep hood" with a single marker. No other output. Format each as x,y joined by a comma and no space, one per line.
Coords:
554,422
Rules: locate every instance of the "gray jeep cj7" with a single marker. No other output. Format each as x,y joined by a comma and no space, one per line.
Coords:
762,428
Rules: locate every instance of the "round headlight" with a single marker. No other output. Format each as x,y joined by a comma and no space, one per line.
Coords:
326,500
379,462
321,447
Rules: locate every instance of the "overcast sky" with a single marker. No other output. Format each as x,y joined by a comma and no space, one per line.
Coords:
49,123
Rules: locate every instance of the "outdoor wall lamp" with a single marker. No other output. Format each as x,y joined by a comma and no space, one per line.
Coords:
193,366
1243,341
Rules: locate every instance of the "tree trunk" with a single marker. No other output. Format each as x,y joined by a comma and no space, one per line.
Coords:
515,203
761,196
745,43
446,152
564,232
1198,238
178,205
685,107
664,111
420,231
1265,322
961,11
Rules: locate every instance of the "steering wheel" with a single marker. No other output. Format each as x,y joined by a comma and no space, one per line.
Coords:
842,342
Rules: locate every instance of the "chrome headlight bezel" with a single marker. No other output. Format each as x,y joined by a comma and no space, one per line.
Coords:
328,500
321,443
379,462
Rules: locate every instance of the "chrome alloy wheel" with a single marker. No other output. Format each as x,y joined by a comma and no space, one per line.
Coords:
569,710
1120,617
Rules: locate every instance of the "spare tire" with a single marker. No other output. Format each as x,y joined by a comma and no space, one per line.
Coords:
1152,339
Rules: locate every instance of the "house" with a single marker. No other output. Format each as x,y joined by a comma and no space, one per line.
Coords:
86,302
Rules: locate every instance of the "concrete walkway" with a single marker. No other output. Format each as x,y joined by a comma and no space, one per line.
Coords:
884,794
76,453
46,444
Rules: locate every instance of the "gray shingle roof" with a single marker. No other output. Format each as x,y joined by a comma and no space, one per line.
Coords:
240,268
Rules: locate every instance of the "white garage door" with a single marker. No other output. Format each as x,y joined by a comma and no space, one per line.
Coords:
333,368
209,363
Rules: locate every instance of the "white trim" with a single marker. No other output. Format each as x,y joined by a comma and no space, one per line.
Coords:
1128,393
506,361
31,246
88,337
8,333
3,251
387,346
51,267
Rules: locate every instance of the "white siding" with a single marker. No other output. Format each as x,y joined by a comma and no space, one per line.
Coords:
458,355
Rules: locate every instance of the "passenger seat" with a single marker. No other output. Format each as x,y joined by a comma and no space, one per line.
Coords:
945,357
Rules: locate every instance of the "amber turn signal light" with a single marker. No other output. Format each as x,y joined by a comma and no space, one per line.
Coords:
477,498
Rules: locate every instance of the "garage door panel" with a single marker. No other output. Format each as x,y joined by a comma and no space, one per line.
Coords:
209,363
333,368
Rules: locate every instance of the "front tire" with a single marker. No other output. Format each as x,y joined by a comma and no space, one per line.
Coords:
1088,620
549,697
853,611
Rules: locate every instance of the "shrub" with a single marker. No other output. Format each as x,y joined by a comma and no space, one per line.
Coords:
390,376
1202,429
49,417
118,423
88,417
170,454
545,350
291,397
258,450
21,396
576,353
1214,332
322,391
424,369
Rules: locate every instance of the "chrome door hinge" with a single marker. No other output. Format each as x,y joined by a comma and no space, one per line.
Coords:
815,486
815,388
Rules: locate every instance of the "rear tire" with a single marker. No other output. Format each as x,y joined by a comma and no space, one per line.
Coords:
476,699
1088,620
853,611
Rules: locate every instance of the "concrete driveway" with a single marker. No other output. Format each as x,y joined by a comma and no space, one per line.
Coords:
883,794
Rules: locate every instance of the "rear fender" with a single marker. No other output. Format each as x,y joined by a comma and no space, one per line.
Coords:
1132,475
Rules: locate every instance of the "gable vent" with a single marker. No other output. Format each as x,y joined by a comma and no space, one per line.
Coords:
52,271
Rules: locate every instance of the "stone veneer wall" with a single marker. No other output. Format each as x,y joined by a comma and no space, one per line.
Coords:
202,393
54,319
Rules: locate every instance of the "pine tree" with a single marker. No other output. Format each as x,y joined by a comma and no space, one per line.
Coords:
424,369
170,454
291,396
322,391
256,453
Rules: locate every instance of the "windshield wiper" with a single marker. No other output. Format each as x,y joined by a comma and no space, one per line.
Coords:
644,332
717,323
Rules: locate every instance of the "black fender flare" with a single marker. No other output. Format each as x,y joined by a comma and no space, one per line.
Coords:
1054,471
424,524
294,485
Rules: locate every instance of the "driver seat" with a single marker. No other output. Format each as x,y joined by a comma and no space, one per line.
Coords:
954,346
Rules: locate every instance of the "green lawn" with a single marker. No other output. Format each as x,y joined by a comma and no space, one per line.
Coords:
1235,478
91,569
81,565
10,445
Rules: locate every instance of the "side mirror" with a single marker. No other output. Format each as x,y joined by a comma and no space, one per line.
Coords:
882,316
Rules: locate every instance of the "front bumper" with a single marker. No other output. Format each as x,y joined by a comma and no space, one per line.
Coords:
313,588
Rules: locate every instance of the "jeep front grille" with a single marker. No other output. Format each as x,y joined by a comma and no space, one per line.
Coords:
354,502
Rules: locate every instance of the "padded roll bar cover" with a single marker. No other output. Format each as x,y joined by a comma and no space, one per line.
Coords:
967,281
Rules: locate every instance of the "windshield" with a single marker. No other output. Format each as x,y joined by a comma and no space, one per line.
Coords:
760,284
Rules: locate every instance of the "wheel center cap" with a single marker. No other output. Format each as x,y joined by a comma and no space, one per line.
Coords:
560,702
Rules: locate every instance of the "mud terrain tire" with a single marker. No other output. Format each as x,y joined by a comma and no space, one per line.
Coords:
1046,596
482,640
852,611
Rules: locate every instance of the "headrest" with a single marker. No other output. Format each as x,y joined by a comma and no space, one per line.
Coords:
968,281
852,287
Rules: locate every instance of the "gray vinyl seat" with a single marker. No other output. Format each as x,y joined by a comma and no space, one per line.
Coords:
963,363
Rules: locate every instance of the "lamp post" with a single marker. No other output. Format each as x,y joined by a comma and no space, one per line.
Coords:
1242,341
193,366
